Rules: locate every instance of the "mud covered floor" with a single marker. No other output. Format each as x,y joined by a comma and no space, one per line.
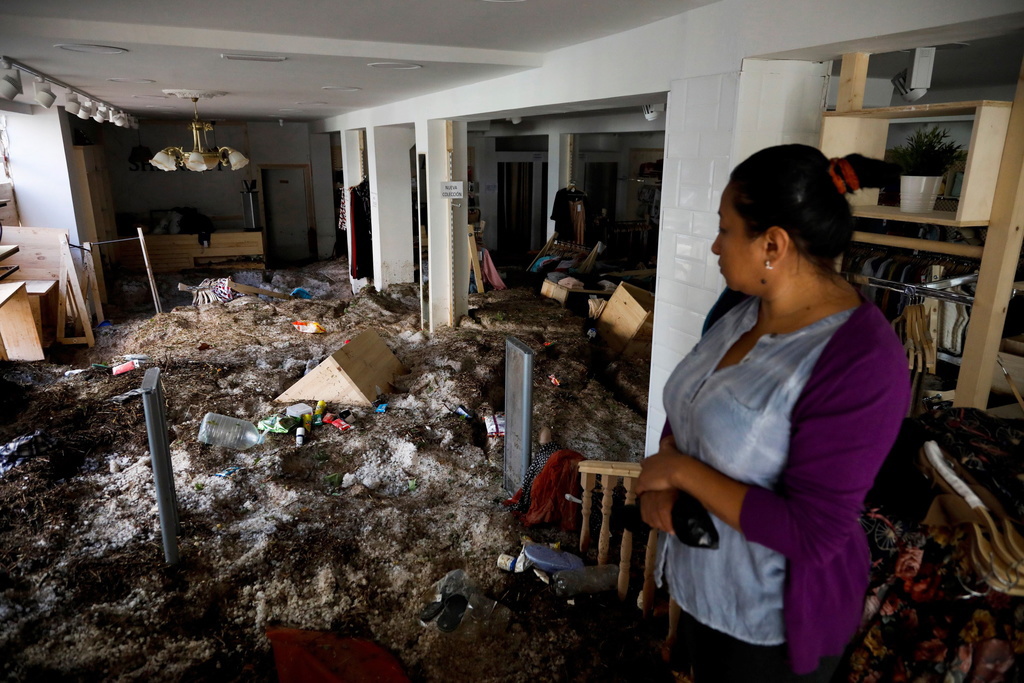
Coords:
346,533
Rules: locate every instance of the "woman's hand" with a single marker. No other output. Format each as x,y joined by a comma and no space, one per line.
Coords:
656,509
660,471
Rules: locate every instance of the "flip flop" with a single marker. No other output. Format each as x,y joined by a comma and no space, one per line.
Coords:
451,615
428,613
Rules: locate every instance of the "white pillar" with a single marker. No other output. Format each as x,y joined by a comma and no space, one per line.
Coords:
40,154
447,223
713,123
391,203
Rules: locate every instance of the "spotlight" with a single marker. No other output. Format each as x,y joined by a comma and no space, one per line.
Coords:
652,111
516,120
101,114
913,82
71,103
85,110
44,95
10,84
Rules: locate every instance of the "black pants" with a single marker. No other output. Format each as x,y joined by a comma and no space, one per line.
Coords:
718,658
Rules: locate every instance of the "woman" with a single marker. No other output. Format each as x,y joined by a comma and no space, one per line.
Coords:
778,421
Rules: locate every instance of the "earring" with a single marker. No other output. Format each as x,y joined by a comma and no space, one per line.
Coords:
768,265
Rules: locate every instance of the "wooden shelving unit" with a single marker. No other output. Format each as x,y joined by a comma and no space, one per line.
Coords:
865,131
992,195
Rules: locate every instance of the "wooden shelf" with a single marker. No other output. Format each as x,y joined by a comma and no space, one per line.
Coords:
934,246
893,213
915,111
866,131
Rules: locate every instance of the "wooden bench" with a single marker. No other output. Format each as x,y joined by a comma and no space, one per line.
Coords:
42,297
19,339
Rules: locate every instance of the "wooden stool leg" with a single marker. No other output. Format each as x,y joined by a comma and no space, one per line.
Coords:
608,482
588,480
673,630
626,549
652,553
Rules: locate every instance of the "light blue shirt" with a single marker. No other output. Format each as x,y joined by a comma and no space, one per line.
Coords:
737,420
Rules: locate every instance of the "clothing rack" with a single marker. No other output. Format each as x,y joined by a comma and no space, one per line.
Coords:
930,290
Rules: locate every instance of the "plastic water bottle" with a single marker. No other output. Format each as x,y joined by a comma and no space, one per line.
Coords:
570,582
230,432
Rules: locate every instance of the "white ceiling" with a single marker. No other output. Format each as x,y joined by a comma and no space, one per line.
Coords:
178,45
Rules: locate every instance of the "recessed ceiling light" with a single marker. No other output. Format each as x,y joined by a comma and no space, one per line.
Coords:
91,49
340,88
150,97
131,80
252,58
394,65
310,104
289,109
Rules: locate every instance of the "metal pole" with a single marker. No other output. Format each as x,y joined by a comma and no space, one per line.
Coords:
160,456
149,272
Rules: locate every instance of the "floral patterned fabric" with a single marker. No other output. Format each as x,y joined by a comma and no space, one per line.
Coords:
927,618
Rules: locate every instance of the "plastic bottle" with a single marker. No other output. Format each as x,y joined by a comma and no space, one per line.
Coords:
230,432
604,577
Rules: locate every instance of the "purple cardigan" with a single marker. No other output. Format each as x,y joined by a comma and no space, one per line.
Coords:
843,425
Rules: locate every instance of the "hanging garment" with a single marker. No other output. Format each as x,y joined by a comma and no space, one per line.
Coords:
489,273
564,215
361,239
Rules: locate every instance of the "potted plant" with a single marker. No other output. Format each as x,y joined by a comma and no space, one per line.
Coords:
924,158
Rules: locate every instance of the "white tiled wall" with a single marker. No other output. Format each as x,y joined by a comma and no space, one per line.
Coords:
713,122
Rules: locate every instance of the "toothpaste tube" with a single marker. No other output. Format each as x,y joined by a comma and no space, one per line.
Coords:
127,367
332,419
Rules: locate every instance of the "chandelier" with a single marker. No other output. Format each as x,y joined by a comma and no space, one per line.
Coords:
202,157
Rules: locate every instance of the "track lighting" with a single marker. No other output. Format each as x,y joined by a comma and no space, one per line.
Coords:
76,102
44,95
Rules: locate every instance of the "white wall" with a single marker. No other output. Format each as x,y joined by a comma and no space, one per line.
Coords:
40,143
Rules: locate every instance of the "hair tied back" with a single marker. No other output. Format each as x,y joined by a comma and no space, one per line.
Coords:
843,176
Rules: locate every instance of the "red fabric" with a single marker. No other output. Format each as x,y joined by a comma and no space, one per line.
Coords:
323,657
548,505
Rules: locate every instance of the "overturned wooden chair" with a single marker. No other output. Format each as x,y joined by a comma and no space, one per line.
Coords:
611,473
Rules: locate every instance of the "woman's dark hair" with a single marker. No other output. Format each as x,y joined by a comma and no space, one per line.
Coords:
798,189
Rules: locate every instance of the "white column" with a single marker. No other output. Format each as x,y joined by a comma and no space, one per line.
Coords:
713,123
40,153
391,203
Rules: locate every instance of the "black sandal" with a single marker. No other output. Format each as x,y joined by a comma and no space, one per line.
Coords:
452,612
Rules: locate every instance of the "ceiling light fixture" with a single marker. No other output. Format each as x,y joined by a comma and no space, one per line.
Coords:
85,110
71,103
92,49
131,80
10,83
504,0
44,95
202,157
339,88
398,66
252,58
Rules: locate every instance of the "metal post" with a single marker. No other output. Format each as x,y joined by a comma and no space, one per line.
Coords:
160,456
518,412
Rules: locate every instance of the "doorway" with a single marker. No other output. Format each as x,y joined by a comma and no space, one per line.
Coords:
291,235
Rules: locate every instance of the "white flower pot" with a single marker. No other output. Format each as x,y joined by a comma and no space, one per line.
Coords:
918,193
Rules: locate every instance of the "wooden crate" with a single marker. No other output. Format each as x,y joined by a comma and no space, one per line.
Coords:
561,294
627,321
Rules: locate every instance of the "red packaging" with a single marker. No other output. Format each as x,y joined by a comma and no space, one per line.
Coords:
127,367
332,419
